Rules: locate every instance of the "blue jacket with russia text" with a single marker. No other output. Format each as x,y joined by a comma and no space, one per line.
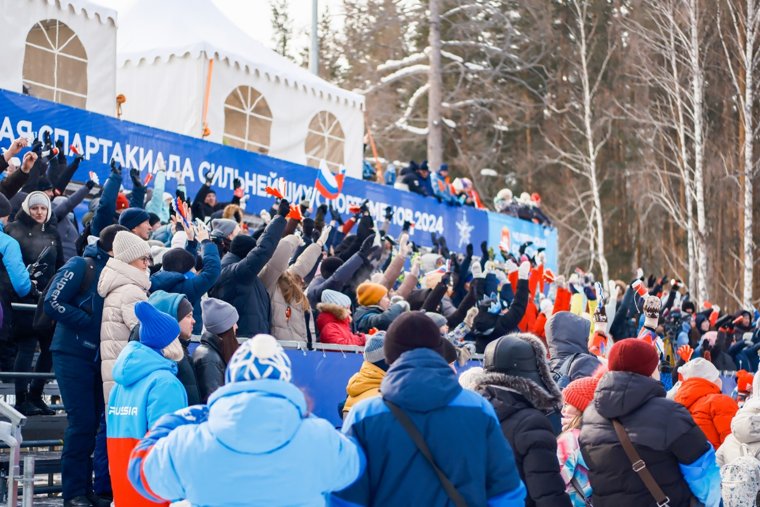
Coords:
459,426
77,309
261,443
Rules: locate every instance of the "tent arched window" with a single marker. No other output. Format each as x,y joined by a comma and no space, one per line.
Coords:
325,141
55,64
247,120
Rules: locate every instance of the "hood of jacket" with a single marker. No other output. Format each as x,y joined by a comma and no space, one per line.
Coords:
496,386
166,280
620,393
567,334
256,417
229,259
137,361
367,378
420,380
694,389
95,252
746,423
335,313
117,274
167,302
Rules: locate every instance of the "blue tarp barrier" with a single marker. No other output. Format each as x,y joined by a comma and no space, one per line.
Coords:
101,138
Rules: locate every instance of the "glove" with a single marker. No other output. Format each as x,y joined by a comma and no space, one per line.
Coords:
652,306
685,352
477,270
134,175
115,167
404,304
208,177
469,319
388,213
89,184
283,208
600,319
523,272
469,250
589,292
366,249
547,307
265,216
494,308
744,381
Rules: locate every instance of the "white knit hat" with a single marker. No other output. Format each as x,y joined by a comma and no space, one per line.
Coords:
334,297
179,240
37,198
700,368
128,247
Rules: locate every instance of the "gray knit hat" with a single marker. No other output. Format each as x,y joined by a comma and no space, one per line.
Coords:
128,247
439,319
373,348
223,227
218,316
334,297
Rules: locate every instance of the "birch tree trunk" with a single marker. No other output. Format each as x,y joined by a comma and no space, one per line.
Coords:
435,90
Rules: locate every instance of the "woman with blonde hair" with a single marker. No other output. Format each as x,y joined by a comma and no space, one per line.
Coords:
577,396
285,285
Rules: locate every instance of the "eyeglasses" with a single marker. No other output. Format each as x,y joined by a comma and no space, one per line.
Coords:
146,260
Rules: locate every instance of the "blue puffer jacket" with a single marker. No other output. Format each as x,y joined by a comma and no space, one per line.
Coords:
239,283
78,312
13,273
258,446
191,285
459,426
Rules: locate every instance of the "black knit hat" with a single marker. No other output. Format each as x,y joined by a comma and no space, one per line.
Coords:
153,219
178,260
5,206
412,330
241,245
330,266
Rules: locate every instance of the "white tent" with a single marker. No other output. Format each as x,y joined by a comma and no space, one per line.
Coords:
178,57
61,50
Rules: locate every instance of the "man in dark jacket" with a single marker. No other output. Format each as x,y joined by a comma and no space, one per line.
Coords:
490,326
567,335
459,427
519,385
239,282
419,180
73,301
178,306
218,344
177,275
672,446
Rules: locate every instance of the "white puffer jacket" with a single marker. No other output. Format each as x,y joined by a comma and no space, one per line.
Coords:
745,431
121,286
288,321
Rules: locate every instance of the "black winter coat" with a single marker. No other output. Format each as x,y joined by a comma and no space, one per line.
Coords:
209,365
662,431
521,406
33,238
239,283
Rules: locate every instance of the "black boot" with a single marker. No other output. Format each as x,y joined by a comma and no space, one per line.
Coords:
38,402
100,500
25,406
78,501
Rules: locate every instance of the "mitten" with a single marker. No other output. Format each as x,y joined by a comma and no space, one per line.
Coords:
651,309
685,352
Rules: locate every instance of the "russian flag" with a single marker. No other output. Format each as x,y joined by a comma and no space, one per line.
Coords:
329,185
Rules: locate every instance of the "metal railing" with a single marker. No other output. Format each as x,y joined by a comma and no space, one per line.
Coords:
10,434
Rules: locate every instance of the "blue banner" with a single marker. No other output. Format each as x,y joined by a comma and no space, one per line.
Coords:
102,138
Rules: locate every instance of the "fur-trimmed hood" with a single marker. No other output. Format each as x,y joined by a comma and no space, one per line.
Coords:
337,311
541,398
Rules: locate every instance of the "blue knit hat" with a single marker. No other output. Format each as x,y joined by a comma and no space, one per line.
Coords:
259,358
157,329
373,348
132,217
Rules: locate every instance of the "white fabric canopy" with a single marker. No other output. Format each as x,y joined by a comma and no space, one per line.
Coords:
164,50
93,25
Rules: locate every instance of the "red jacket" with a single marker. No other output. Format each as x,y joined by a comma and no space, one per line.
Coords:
334,325
711,410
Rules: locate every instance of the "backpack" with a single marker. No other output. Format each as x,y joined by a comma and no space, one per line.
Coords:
42,323
740,480
562,376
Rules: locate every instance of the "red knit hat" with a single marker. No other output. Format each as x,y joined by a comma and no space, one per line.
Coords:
580,392
634,356
122,202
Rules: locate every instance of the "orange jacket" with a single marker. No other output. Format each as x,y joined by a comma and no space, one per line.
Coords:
562,301
711,410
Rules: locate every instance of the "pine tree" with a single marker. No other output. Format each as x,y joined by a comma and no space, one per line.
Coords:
282,27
